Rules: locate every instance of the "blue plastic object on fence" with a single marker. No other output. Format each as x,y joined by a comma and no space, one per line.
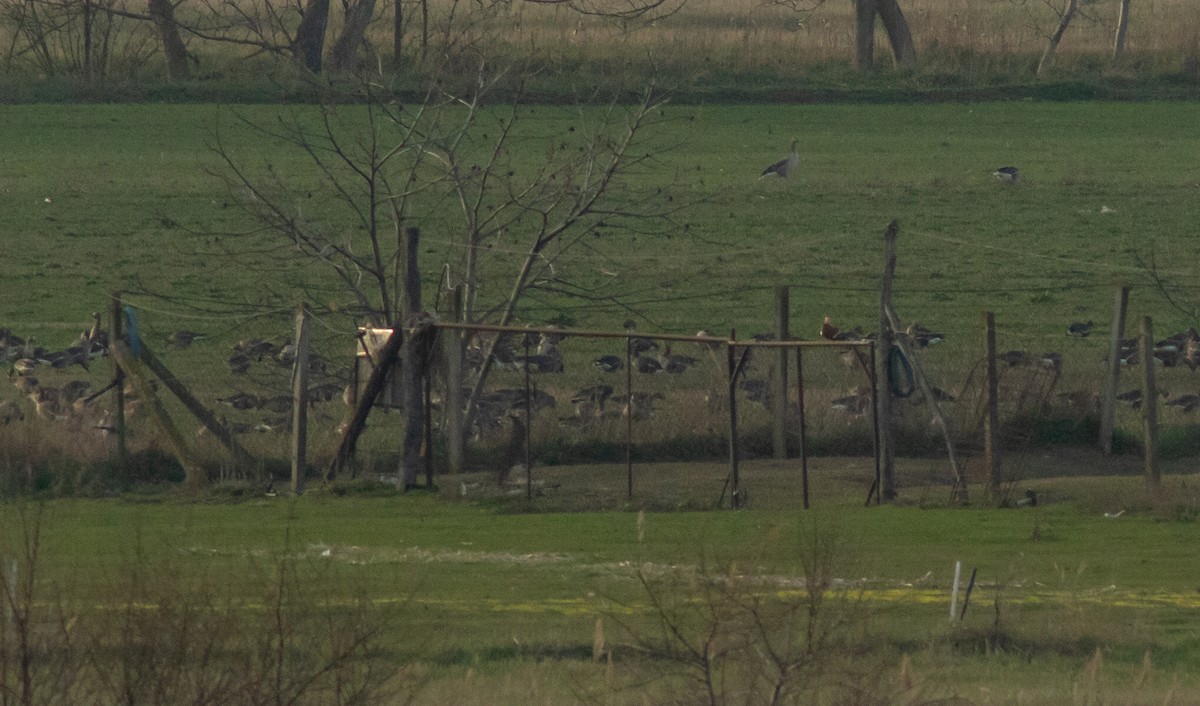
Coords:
131,325
900,372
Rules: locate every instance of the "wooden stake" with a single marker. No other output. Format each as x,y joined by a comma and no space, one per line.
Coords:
1149,406
114,335
300,402
886,339
1108,404
991,419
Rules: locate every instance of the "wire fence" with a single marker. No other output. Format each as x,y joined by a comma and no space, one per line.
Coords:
557,397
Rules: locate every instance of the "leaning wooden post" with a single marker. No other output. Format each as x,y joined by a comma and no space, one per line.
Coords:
300,402
114,335
887,451
137,374
779,436
385,361
1149,405
991,419
1108,404
240,457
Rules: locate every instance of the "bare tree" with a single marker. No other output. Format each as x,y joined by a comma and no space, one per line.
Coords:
1122,30
309,42
1064,21
866,12
462,174
162,12
345,48
899,36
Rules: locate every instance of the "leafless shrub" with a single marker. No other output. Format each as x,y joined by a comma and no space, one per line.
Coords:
167,632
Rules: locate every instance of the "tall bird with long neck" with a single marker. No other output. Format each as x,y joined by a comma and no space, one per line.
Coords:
784,167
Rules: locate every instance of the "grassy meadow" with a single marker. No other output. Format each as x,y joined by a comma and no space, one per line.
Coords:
1107,191
484,603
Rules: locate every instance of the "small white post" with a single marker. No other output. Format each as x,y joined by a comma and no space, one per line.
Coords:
954,590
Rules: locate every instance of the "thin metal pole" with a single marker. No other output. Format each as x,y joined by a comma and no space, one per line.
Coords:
803,438
299,402
528,426
733,433
875,441
115,333
1149,406
991,427
629,417
1113,376
428,403
779,427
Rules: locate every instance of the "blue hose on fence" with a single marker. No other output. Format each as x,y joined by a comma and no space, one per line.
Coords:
900,373
131,326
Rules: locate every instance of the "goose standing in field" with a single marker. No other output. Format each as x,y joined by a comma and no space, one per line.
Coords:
1006,174
1080,329
1186,401
787,165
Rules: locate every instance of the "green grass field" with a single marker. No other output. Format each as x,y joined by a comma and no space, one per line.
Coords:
491,606
103,198
484,601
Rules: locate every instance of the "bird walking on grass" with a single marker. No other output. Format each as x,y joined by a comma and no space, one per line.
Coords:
1006,174
787,165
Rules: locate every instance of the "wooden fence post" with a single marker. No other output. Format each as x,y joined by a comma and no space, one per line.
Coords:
887,490
1149,406
803,431
1108,404
300,402
991,419
779,436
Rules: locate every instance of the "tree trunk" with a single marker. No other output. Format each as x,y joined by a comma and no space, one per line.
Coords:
345,48
163,14
864,34
1122,30
310,35
899,36
1052,46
